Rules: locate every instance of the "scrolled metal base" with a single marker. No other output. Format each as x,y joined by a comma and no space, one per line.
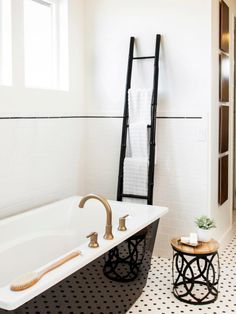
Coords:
194,273
125,267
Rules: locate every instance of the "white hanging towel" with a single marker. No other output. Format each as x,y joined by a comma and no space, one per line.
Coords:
135,179
140,105
138,139
128,145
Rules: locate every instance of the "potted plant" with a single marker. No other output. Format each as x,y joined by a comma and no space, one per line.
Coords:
205,226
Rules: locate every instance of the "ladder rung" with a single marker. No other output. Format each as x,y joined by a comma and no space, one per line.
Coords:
135,196
148,126
140,58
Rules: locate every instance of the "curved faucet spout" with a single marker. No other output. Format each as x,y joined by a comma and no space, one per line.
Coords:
108,230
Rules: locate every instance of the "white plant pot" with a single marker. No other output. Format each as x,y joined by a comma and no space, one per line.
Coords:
204,235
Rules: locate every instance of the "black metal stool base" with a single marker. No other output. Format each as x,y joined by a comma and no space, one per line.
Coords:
125,267
193,274
197,301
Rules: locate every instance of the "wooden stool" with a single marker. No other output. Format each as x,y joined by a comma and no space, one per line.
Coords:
193,268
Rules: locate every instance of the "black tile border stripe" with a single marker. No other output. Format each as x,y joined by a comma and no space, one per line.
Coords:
83,117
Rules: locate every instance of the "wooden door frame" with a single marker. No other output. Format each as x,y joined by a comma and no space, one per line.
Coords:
234,121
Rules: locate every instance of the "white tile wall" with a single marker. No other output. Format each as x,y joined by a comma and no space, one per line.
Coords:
43,160
40,161
181,178
181,171
102,156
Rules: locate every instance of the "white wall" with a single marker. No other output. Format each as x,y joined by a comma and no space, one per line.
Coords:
42,160
181,180
222,214
185,50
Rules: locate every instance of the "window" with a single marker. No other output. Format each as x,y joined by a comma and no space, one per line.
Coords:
46,44
5,43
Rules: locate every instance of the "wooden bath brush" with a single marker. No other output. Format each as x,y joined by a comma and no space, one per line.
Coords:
30,279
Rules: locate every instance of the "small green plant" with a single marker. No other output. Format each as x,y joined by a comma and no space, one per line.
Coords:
205,223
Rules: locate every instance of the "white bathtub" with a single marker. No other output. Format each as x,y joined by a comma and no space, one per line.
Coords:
31,240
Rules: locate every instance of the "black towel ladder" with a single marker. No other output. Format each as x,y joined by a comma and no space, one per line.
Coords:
152,127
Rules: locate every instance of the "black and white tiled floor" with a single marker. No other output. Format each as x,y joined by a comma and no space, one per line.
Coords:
157,296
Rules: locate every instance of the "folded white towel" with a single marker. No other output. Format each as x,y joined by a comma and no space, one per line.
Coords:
138,139
135,176
140,105
134,200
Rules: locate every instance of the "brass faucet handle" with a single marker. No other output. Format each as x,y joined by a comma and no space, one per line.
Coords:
125,216
122,226
93,240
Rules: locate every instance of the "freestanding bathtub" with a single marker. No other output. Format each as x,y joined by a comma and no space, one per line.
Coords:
34,239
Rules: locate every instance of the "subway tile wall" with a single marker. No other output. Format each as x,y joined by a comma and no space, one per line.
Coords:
45,160
180,174
40,161
181,178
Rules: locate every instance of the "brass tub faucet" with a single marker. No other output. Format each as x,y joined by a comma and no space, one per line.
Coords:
108,229
93,240
122,226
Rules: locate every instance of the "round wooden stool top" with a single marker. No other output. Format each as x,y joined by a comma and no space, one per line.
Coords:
203,247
